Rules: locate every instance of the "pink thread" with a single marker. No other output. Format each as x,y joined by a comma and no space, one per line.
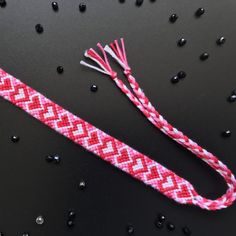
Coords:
145,106
96,141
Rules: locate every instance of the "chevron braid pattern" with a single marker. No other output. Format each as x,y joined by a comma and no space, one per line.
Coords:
145,106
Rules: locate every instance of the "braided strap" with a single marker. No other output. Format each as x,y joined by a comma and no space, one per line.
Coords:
139,99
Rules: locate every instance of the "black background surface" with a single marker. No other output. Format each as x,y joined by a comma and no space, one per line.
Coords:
197,106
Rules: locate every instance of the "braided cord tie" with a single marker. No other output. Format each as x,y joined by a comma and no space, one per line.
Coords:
139,99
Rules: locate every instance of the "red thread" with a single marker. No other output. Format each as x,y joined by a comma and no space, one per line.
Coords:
112,150
139,99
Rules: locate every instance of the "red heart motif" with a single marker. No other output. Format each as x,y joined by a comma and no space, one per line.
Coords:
124,157
184,192
5,84
168,182
138,165
20,94
93,139
34,103
153,173
79,130
108,148
63,122
49,112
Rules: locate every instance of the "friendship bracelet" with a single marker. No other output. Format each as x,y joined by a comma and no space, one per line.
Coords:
112,150
96,141
139,99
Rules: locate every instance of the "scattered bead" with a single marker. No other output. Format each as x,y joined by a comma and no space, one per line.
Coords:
200,11
122,1
70,223
82,185
181,75
71,215
15,139
220,41
39,28
182,42
55,6
82,7
170,226
94,88
232,98
130,229
56,159
173,18
39,220
1,234
204,56
53,158
161,218
60,69
159,224
234,92
175,79
25,234
3,3
186,231
139,3
226,133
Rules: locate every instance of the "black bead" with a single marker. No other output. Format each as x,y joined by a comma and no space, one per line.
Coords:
170,226
94,88
1,234
39,28
82,7
25,234
82,185
60,69
232,98
200,11
3,3
130,229
70,223
56,159
186,231
139,3
71,215
173,18
159,224
55,6
204,56
161,218
122,1
226,133
15,139
221,41
175,79
49,158
182,42
181,74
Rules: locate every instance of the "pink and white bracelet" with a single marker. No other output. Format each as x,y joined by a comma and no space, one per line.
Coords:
112,150
139,99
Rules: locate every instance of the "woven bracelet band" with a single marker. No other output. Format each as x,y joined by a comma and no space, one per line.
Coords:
112,150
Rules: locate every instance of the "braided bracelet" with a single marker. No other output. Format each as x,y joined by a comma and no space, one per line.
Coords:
139,99
112,150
